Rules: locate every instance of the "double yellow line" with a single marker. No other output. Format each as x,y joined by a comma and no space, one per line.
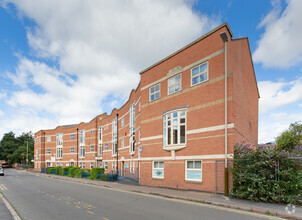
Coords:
2,187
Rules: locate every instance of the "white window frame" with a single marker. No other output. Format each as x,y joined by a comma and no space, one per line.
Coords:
194,170
170,85
37,153
72,137
72,163
106,165
158,168
132,129
82,137
100,139
139,106
92,146
59,145
106,146
153,93
200,73
48,139
48,151
122,142
168,116
114,137
123,122
82,151
72,150
91,165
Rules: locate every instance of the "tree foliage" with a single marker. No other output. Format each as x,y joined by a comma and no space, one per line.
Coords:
14,149
290,137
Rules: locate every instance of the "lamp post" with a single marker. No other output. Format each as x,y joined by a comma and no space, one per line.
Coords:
225,40
117,143
77,147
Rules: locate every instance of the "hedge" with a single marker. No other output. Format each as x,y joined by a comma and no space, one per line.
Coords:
73,171
95,171
266,174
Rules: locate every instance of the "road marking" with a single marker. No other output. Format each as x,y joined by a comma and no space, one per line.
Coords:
178,200
3,187
67,202
59,199
90,212
52,196
78,207
105,218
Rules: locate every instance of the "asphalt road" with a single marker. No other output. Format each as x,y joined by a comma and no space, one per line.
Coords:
41,198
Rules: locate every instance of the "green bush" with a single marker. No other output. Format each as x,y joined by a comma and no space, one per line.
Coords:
65,169
73,171
49,169
95,171
57,169
267,174
105,177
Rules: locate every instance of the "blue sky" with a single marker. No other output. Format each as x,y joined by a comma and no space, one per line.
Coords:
63,62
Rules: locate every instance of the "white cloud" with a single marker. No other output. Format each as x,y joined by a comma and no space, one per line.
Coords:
272,125
84,51
276,94
280,45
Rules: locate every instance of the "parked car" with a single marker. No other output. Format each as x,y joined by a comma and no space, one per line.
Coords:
1,171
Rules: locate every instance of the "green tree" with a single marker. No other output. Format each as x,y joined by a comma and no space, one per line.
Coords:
14,149
290,137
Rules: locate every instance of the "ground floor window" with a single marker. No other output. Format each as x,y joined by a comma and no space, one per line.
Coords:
194,170
158,169
80,165
72,164
91,165
106,165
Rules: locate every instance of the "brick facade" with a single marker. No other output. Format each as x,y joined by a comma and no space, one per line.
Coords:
185,145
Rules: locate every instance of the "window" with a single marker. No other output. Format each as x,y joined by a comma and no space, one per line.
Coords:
199,74
123,122
72,150
114,136
194,170
72,164
139,106
48,139
91,165
158,169
122,142
92,132
174,84
80,165
132,128
100,134
82,151
175,128
106,165
100,150
106,146
154,92
139,134
72,137
37,153
48,151
59,147
91,148
83,164
82,137
100,164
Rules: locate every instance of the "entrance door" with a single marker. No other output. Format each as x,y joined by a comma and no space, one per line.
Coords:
122,168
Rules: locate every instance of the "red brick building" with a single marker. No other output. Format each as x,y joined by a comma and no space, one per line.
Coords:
172,129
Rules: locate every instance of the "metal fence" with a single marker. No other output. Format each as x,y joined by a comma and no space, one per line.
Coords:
127,177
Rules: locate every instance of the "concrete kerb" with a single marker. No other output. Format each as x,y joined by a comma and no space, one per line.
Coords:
221,204
10,208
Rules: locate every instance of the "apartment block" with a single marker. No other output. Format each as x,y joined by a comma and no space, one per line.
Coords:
187,113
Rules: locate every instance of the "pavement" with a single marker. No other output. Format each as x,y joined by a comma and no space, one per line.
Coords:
281,210
6,210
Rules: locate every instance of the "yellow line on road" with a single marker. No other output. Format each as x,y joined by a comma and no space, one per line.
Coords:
67,202
78,207
90,212
105,218
3,186
59,199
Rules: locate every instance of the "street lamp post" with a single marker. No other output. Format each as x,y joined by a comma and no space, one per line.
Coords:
27,153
